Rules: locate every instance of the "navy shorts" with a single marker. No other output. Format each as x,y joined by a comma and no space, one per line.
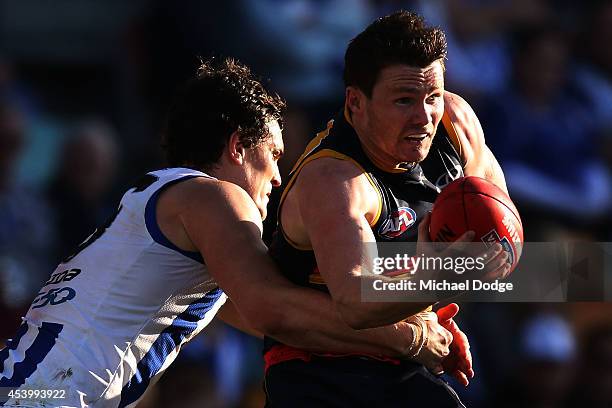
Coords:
355,382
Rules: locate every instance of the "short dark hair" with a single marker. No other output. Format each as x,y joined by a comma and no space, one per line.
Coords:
399,38
224,97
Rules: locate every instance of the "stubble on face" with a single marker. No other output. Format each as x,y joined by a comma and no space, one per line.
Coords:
403,113
262,173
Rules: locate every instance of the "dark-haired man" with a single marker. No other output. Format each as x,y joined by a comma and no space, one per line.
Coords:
115,313
383,156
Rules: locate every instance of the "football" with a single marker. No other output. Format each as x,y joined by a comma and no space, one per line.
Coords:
475,204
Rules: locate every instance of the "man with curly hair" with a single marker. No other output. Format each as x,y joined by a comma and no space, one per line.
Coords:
115,313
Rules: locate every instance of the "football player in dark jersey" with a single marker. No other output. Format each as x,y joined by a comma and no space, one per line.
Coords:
373,175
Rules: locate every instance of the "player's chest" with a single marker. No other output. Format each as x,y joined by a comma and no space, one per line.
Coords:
407,198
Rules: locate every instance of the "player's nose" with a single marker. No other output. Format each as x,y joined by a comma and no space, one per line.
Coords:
421,115
276,177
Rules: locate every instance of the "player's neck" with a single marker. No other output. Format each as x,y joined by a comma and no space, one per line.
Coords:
226,172
221,173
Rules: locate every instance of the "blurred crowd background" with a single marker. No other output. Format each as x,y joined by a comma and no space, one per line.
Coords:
83,90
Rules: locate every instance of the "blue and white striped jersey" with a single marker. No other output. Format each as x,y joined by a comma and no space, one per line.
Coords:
113,316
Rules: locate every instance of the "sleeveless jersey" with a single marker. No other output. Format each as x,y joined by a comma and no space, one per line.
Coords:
114,315
405,197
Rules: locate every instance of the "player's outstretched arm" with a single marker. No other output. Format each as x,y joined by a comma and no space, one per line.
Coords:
421,338
224,225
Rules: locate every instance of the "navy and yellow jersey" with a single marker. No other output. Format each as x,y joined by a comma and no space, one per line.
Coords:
405,196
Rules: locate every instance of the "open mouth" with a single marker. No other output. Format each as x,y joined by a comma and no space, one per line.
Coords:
416,138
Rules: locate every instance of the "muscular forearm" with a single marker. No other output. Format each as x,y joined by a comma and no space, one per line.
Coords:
230,315
311,321
362,315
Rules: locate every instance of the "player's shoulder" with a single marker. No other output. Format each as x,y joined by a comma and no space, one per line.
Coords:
458,109
328,176
337,183
216,189
330,169
454,100
209,196
463,118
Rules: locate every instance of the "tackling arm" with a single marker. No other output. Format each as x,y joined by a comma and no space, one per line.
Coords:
223,223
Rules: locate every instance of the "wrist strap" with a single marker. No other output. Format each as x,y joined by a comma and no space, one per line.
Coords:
419,335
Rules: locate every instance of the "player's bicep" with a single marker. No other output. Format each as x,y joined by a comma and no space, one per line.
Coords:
224,224
334,216
226,228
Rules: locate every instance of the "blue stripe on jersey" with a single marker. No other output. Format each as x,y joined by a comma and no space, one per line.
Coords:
13,343
153,227
42,345
168,340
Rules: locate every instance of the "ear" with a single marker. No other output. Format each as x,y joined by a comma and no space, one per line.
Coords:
355,99
235,149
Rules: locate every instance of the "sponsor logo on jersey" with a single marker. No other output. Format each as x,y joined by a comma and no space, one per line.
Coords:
492,237
398,222
53,297
63,276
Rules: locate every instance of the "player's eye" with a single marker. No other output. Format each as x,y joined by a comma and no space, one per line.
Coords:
404,101
277,154
433,98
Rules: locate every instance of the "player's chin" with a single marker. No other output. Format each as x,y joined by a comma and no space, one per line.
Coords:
414,152
414,155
